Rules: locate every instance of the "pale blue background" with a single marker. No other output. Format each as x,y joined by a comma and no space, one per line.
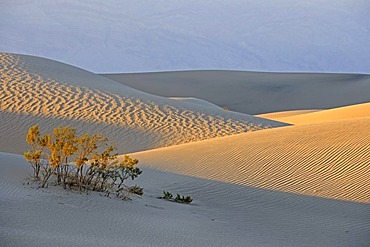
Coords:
157,35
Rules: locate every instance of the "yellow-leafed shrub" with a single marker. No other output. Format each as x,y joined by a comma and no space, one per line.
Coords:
78,161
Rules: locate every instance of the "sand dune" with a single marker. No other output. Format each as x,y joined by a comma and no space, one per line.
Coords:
196,101
353,111
255,92
301,185
284,114
328,160
39,88
221,215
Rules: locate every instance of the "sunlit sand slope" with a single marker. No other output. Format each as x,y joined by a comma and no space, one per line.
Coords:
284,114
353,111
330,160
46,89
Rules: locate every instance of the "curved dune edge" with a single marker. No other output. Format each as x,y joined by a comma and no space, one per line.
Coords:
43,88
346,112
221,214
284,114
195,101
329,160
255,92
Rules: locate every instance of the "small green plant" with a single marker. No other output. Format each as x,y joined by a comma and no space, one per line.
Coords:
167,195
136,190
179,198
183,199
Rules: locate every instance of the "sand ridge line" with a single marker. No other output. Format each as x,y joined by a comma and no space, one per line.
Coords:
328,160
346,112
254,92
27,91
283,114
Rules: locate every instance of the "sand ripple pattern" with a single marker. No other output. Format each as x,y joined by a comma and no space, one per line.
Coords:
221,215
24,90
330,160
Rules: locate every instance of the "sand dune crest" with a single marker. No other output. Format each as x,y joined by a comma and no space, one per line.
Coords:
284,114
346,112
43,88
329,160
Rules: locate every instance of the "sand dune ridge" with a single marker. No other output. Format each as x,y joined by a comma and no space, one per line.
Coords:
345,112
330,160
27,88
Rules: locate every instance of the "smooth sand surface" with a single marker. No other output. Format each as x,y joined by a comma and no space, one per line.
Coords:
353,111
255,92
196,101
328,160
284,114
45,92
221,215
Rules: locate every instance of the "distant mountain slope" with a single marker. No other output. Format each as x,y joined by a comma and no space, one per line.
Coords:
127,36
41,91
254,92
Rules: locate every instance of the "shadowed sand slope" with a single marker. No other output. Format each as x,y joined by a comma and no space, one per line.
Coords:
330,160
255,92
44,90
221,215
195,101
353,111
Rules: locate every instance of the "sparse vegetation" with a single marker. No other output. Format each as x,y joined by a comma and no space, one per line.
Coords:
179,198
183,199
167,195
76,162
136,190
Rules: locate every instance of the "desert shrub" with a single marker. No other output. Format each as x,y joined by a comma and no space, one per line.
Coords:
179,198
183,199
62,145
34,155
136,190
167,195
76,162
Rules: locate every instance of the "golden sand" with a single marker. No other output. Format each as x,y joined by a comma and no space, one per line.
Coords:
330,159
